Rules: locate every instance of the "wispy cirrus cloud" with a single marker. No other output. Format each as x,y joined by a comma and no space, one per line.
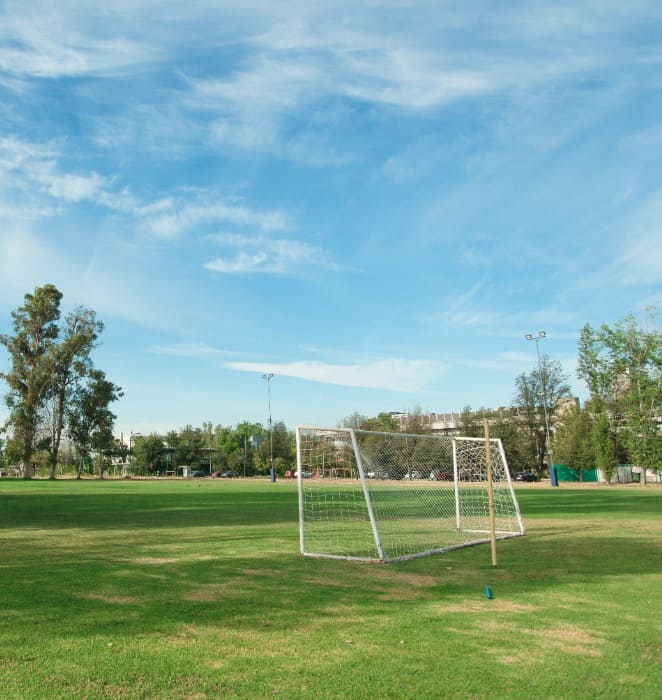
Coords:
33,170
34,164
51,41
391,374
191,350
176,217
262,254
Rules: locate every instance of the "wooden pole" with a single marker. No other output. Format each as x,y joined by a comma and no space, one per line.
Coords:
490,492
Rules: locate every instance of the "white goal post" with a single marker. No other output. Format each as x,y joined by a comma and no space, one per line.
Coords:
385,497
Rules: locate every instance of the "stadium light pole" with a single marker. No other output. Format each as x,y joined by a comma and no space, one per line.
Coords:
269,376
131,436
548,438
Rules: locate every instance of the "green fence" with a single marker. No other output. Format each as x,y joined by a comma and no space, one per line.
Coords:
565,473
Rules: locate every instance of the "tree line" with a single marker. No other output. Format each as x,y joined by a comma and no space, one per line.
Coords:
619,423
59,406
246,449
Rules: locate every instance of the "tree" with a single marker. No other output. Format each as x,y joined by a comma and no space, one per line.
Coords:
573,441
382,422
90,418
603,442
281,445
148,453
72,361
622,366
537,395
33,355
189,447
471,423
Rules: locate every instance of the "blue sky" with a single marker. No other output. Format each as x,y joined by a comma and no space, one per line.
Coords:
374,201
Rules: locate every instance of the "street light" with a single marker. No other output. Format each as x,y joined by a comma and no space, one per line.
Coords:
269,376
131,436
548,438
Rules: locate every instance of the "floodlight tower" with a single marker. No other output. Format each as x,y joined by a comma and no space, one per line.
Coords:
131,436
548,438
272,472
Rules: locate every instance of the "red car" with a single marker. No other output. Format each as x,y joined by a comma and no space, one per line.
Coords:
441,475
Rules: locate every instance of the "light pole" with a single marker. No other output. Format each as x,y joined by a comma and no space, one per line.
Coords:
131,436
548,438
269,376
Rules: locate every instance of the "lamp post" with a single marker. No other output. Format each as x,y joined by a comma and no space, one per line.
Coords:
548,438
131,436
272,473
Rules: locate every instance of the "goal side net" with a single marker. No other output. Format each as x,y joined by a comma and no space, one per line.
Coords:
385,497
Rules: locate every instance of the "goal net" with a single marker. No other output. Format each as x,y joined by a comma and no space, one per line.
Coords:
391,496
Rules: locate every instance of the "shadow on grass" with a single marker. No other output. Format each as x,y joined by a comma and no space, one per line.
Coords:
129,574
132,506
125,594
554,502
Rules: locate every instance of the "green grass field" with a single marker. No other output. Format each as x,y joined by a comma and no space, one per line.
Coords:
196,589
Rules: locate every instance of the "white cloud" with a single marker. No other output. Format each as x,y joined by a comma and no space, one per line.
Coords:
247,254
192,350
393,374
174,218
36,164
75,188
66,39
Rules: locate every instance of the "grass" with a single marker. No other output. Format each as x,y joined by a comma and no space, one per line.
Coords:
195,589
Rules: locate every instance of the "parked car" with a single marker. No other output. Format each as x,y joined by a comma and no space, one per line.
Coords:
413,475
377,474
225,474
198,474
441,475
526,476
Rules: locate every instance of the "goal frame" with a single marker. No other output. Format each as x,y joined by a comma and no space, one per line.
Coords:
382,555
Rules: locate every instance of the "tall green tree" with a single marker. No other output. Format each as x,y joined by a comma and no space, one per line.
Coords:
604,443
72,362
573,442
33,355
190,445
622,366
149,453
90,419
538,395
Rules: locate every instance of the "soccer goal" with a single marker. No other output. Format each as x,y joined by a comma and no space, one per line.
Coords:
387,497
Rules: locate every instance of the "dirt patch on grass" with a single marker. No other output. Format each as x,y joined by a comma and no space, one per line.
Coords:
572,640
161,561
186,634
263,572
210,592
403,578
480,606
404,593
110,599
566,639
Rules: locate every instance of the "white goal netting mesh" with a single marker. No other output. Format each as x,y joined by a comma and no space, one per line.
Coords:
391,496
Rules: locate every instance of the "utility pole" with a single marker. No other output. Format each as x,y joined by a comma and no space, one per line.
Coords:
548,438
272,472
